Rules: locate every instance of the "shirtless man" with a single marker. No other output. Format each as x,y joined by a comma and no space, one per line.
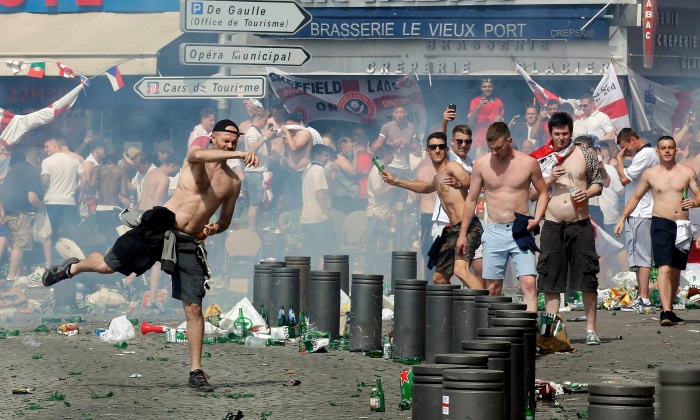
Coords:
567,244
452,201
205,184
666,181
505,175
154,193
111,182
298,157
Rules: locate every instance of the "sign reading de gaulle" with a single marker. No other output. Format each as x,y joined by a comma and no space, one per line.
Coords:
271,17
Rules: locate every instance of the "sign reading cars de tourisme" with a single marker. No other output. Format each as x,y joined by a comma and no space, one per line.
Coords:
201,87
274,17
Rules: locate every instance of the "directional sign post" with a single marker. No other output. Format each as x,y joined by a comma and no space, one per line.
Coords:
242,55
277,17
201,87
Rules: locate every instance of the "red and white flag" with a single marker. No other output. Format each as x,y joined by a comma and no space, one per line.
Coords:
16,66
658,107
610,101
65,71
15,126
542,94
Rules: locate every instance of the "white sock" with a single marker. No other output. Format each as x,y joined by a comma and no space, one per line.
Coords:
646,301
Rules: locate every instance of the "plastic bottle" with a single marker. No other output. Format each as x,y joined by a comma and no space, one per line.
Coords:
76,318
255,342
31,341
121,345
573,189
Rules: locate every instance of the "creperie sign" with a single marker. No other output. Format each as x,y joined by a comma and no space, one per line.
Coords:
53,3
649,31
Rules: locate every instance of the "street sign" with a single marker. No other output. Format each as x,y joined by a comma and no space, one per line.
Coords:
242,55
201,87
276,17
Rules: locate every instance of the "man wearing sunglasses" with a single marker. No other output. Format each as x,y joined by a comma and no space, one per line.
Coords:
506,175
593,121
451,183
205,184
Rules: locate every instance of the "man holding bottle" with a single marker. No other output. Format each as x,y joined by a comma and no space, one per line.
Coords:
567,240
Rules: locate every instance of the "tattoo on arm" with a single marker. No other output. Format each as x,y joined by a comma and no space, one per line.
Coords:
695,180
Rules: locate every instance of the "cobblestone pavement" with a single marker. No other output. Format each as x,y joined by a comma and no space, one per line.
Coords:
83,369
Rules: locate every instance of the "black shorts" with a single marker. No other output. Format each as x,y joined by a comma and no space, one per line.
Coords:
663,232
190,272
567,249
138,249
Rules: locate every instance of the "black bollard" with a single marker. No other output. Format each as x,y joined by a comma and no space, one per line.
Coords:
366,312
505,306
262,286
304,266
438,314
498,353
341,264
529,327
481,309
403,266
517,365
324,298
409,319
472,394
427,390
679,392
284,291
633,401
273,263
473,361
463,314
516,314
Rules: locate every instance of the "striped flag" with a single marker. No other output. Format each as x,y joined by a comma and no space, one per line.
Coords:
65,71
610,101
543,95
15,126
115,78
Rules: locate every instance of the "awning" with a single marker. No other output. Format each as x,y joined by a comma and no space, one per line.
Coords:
88,43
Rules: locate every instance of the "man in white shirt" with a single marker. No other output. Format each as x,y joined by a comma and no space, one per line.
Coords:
59,178
638,224
201,132
316,227
593,121
256,140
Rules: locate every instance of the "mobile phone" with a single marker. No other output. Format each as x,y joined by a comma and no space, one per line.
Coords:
269,126
453,107
88,133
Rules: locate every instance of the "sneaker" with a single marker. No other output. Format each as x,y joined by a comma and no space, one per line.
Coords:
635,306
199,381
668,318
592,338
58,272
128,290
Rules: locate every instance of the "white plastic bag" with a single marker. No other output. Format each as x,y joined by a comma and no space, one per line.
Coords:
42,226
120,329
249,312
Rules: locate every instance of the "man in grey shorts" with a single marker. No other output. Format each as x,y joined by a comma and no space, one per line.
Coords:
638,224
206,183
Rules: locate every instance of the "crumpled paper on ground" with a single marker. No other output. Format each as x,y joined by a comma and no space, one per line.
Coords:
320,345
209,328
106,297
387,314
249,312
120,329
616,297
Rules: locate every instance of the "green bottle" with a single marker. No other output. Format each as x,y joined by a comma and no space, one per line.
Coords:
75,318
529,412
406,386
281,319
302,323
121,345
134,321
373,400
14,333
208,340
240,326
221,339
380,397
263,314
378,164
41,328
375,354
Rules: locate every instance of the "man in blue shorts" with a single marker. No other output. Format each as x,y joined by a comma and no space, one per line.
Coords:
506,175
670,227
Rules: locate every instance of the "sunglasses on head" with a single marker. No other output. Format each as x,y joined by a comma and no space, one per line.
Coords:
440,146
460,141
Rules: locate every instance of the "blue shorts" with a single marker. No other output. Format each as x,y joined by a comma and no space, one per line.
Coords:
499,245
253,186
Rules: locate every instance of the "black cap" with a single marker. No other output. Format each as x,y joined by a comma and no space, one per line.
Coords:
221,126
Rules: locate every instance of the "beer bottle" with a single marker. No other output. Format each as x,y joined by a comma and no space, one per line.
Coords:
291,318
239,325
302,323
529,412
406,386
281,321
121,345
378,163
373,399
208,340
263,314
380,397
